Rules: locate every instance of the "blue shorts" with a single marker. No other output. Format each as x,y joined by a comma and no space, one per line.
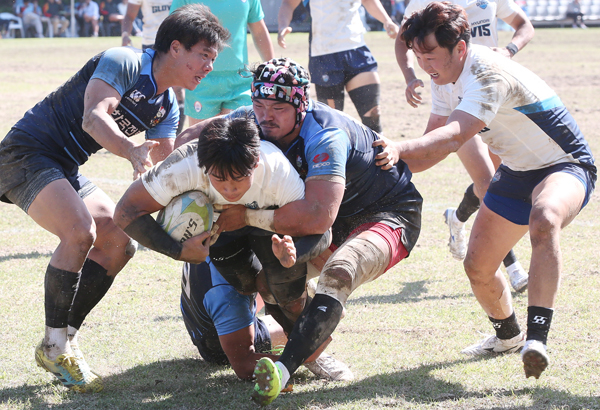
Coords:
216,92
338,68
509,193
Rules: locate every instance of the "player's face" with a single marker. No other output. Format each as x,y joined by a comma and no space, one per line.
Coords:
196,63
442,65
231,189
276,119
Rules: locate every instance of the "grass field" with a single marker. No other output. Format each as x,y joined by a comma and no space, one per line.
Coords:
402,334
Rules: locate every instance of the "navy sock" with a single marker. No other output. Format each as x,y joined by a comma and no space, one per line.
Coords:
468,206
538,323
315,325
509,259
60,287
93,285
506,328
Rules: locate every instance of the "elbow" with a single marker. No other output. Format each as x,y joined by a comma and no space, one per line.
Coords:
88,123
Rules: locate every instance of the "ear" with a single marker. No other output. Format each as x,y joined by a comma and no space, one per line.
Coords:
461,48
176,48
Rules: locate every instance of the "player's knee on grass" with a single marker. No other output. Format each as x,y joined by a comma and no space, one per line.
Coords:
366,100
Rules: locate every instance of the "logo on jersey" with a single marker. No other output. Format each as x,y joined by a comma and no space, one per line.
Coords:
496,177
265,90
252,205
161,113
321,157
325,78
136,96
197,106
159,9
482,4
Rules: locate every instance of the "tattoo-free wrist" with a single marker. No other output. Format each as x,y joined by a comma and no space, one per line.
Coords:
261,218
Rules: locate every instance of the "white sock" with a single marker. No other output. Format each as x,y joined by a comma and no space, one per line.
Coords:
55,342
72,334
456,222
285,374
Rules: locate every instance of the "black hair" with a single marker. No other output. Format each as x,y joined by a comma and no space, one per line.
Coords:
189,25
446,20
229,148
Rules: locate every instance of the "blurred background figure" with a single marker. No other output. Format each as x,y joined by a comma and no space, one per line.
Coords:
574,12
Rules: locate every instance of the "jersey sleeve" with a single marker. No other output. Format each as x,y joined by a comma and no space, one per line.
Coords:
483,95
229,310
255,12
327,152
120,68
167,128
439,103
177,174
282,180
506,8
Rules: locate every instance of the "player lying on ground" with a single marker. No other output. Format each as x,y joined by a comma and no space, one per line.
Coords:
474,154
117,94
230,165
375,215
223,325
546,177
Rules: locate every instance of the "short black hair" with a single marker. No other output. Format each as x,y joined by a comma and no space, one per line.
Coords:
229,148
189,25
446,20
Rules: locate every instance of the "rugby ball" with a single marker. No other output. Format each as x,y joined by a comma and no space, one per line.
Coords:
186,216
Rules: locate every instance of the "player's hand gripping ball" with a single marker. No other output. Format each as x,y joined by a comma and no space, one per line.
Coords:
186,216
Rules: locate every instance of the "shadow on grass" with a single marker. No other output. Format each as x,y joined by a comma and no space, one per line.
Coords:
30,255
195,384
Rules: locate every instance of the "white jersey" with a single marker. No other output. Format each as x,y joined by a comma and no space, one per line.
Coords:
527,125
154,12
482,16
275,182
336,26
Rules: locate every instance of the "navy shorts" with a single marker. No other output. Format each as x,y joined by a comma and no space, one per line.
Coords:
338,68
509,193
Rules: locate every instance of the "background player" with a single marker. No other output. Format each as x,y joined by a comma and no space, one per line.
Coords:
474,154
339,57
117,94
225,89
546,177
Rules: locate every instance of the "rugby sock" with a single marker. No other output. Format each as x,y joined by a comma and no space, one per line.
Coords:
538,323
506,328
315,325
93,286
60,289
509,259
468,206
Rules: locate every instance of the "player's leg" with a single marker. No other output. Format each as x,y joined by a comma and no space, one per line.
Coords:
364,86
331,95
111,251
360,259
326,72
58,209
555,203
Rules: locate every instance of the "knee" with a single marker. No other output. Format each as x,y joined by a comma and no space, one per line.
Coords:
80,233
474,272
544,224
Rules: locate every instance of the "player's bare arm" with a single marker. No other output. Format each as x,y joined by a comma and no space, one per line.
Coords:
100,101
284,18
375,9
390,156
523,34
404,58
132,215
127,23
262,40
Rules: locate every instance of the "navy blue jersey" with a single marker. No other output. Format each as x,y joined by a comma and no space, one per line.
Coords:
333,143
56,121
211,307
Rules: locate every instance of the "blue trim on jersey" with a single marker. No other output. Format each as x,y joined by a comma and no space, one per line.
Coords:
545,105
561,127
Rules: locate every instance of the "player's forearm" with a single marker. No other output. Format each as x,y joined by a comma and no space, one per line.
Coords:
262,40
146,231
126,27
404,58
286,12
105,131
375,9
524,32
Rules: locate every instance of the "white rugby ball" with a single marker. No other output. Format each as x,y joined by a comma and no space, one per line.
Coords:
186,216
